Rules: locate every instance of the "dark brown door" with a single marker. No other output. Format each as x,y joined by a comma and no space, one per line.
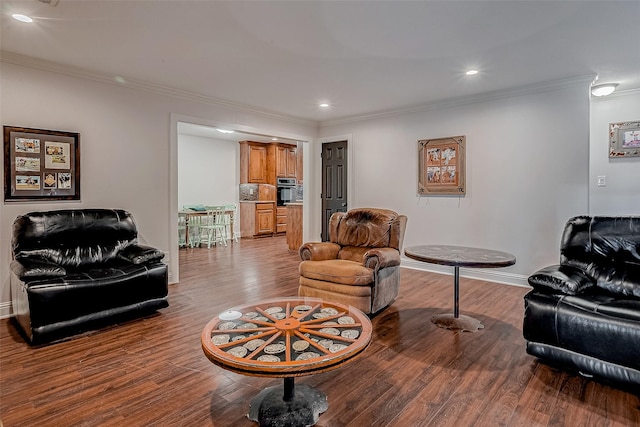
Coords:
334,182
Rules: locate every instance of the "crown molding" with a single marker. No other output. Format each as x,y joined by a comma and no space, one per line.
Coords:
44,65
542,87
548,86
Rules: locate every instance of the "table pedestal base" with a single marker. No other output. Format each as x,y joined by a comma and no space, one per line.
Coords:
462,322
280,406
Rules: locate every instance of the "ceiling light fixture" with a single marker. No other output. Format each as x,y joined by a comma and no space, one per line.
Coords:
603,89
471,72
21,18
224,131
324,105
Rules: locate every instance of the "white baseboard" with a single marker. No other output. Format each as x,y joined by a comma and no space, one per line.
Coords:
5,310
490,275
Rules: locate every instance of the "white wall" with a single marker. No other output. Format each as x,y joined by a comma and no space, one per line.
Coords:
527,162
127,139
208,171
621,195
527,173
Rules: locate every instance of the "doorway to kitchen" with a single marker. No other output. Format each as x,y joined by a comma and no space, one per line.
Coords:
240,132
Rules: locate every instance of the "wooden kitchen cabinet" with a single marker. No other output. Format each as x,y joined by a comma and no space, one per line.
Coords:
286,161
281,219
294,226
257,219
257,163
264,219
299,161
267,193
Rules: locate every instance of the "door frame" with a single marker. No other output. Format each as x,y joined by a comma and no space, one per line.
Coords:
175,118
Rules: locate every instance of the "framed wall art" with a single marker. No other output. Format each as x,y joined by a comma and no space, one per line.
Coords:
624,139
441,166
41,164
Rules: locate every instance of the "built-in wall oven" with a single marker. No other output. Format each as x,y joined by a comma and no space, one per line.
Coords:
286,190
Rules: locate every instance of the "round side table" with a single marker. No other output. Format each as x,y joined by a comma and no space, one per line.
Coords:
459,256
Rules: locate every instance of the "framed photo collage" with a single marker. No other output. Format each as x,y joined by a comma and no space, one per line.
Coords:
41,164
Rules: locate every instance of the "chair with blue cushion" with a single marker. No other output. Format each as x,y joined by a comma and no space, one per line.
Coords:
232,231
182,229
213,229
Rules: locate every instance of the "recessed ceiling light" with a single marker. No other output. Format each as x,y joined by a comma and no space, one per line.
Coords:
21,18
274,139
603,89
224,131
471,72
324,105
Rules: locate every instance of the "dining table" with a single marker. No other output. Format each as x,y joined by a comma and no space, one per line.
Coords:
191,213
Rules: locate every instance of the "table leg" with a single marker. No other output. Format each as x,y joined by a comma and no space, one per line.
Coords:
288,405
289,390
456,321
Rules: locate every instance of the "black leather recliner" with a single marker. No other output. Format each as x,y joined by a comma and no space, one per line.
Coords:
75,270
584,314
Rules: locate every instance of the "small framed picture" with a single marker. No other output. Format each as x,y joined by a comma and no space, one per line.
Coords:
41,164
624,139
441,166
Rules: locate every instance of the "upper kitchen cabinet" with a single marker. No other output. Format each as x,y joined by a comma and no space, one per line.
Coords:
262,163
257,164
299,163
286,161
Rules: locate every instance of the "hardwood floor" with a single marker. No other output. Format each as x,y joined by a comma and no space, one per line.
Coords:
152,371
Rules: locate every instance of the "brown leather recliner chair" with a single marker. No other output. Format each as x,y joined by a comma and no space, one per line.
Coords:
360,265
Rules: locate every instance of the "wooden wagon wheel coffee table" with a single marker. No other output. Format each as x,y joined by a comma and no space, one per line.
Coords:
286,338
459,256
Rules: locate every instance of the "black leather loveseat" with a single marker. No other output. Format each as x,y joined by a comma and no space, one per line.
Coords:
584,314
75,270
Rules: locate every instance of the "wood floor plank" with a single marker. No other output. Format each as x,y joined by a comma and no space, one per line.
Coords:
152,371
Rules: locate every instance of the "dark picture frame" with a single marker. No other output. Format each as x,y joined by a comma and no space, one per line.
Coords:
41,165
624,139
441,166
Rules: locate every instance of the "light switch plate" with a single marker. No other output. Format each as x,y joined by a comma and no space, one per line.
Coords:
602,181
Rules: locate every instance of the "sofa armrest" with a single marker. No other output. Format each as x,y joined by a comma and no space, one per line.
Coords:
378,258
32,268
140,254
563,278
319,251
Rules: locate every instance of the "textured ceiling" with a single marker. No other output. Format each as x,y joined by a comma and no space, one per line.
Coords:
364,57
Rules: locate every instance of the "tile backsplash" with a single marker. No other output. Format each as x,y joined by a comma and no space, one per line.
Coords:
249,192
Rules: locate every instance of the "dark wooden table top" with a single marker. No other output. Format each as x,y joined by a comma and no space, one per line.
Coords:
286,337
460,256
